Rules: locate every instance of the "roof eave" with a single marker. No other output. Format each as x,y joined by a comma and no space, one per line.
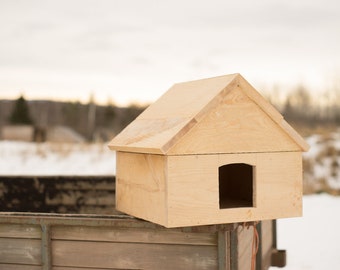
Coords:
132,149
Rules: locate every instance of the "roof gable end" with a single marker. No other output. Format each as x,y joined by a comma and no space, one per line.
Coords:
183,110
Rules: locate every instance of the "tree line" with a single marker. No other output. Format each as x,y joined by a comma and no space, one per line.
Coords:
91,120
94,121
305,110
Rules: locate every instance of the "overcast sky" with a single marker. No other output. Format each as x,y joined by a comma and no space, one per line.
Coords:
134,50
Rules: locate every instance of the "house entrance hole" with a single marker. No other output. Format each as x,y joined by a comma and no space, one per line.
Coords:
236,183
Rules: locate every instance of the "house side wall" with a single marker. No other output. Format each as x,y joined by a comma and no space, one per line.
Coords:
141,185
279,185
193,195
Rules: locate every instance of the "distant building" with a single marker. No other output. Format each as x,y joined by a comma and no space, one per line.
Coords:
18,133
29,133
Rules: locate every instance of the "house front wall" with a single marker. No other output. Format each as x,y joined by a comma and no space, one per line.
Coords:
193,188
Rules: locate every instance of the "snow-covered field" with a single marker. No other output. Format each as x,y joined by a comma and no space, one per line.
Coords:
22,158
311,241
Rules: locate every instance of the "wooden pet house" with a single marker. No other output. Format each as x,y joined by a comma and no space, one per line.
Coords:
209,151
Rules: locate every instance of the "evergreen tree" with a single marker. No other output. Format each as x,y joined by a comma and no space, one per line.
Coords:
20,113
109,114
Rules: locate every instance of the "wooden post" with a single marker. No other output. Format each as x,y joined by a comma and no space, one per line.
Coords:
234,249
223,250
46,256
278,257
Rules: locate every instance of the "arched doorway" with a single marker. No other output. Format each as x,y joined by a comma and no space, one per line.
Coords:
236,185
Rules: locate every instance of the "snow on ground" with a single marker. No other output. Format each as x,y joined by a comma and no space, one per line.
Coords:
23,158
311,241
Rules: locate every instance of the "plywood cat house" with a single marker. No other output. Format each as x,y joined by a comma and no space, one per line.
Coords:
207,152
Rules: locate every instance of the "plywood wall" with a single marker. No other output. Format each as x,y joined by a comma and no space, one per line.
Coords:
193,197
141,186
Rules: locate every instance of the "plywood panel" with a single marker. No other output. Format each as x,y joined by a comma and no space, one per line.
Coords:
272,112
140,185
193,188
223,106
281,184
254,95
133,255
148,136
237,125
188,98
131,235
21,251
245,240
193,194
170,116
244,249
20,231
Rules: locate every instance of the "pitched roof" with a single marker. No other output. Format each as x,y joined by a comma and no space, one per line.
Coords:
216,115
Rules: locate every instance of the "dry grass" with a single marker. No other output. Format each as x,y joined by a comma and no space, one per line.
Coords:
306,130
324,167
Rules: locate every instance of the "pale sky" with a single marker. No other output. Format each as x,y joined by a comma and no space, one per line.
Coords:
134,50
